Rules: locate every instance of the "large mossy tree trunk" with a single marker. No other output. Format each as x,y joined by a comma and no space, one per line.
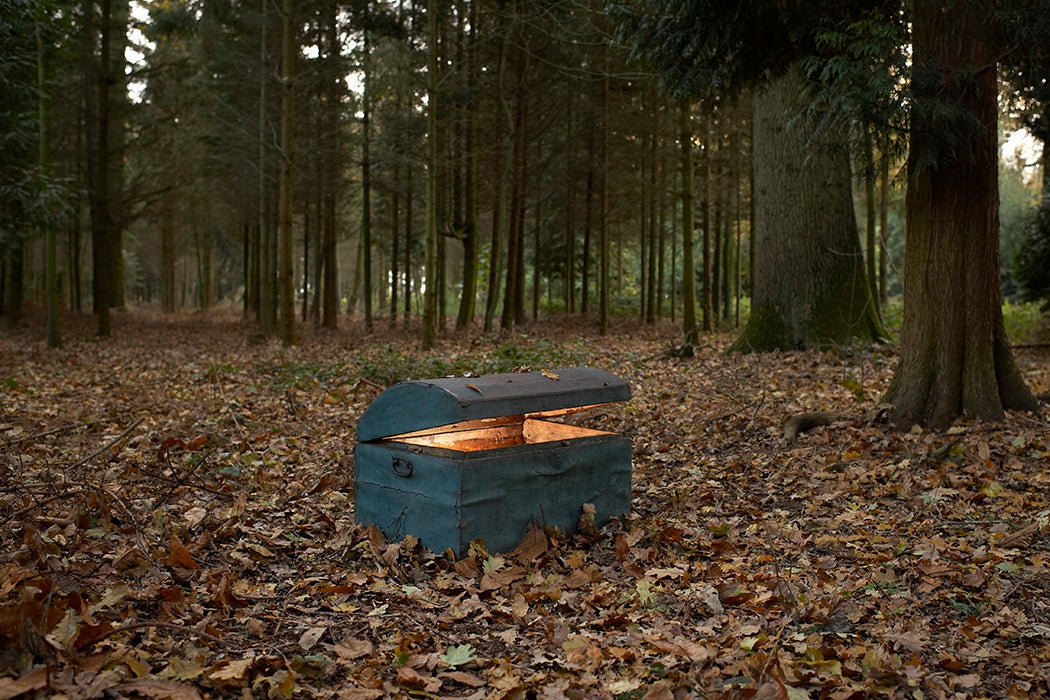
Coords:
954,357
810,287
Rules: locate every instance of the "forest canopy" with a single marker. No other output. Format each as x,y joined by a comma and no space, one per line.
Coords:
146,138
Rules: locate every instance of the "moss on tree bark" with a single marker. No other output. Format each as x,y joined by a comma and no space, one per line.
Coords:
810,286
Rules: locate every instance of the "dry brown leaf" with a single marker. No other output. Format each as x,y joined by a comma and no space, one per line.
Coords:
310,637
233,670
351,648
161,690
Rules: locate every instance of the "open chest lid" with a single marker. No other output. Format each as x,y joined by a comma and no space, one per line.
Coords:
412,406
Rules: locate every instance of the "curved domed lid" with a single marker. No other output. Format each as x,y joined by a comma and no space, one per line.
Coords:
420,405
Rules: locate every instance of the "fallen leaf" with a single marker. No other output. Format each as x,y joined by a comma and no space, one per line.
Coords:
161,690
309,638
13,687
233,670
351,649
179,556
468,679
458,655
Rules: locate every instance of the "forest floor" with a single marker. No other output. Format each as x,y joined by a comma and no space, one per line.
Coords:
177,521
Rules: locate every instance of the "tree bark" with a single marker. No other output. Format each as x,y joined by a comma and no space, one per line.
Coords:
408,247
430,311
54,334
366,179
884,234
706,287
514,293
116,147
331,161
603,208
954,356
810,287
685,131
265,259
97,102
870,239
287,283
467,302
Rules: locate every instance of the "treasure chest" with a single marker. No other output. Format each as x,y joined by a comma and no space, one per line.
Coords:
455,460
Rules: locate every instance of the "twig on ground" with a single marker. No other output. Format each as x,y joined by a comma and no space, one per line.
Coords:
54,431
109,445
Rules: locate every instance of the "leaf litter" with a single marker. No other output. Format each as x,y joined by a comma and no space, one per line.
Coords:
178,523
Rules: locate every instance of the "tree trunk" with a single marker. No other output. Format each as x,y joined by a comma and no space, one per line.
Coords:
685,141
54,299
167,254
652,291
588,224
470,206
884,234
810,288
287,284
408,247
707,283
366,181
97,102
308,226
316,275
331,161
429,339
569,277
870,239
514,294
116,146
954,356
603,208
15,282
264,261
395,252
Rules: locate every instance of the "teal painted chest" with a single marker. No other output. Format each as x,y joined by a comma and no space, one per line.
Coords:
454,460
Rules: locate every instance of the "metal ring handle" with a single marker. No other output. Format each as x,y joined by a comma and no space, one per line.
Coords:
402,467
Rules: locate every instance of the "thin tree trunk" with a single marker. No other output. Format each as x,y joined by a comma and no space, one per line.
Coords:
395,243
870,246
707,305
430,301
264,278
408,248
54,299
603,205
285,203
330,162
884,234
308,224
366,181
317,274
470,233
115,159
685,133
97,123
652,288
588,223
513,295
